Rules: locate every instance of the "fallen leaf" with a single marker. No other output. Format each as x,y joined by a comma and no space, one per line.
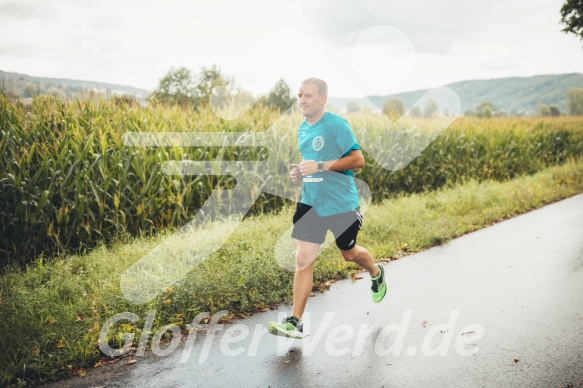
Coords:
131,362
79,317
325,286
52,321
60,344
97,364
516,359
210,373
312,294
356,277
227,318
82,372
424,323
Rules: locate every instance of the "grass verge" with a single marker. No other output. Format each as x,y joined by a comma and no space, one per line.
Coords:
52,312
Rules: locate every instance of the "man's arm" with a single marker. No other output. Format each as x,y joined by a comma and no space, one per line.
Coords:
351,161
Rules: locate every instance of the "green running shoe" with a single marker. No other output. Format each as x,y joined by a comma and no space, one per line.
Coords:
290,327
379,285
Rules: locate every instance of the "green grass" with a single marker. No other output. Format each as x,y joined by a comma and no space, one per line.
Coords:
53,310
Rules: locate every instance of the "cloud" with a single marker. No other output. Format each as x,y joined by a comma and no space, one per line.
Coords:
432,26
24,10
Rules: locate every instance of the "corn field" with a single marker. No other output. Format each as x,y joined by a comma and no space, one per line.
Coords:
68,181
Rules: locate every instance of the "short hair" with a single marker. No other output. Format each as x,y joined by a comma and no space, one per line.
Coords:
320,85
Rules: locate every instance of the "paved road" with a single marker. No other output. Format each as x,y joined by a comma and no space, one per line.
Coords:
502,306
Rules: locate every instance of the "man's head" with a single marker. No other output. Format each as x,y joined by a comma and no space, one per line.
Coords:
312,97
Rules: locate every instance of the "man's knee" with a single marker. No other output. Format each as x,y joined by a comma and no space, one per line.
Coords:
350,254
303,260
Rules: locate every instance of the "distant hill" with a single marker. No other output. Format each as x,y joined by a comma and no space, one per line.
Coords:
514,95
22,85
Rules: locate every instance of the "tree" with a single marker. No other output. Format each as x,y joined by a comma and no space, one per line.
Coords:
415,111
210,81
279,97
124,100
182,87
430,108
575,102
352,107
546,110
486,109
572,17
176,87
393,108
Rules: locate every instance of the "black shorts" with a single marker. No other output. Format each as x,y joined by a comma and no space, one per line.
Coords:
310,227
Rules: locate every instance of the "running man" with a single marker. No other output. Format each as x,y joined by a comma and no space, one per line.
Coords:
329,200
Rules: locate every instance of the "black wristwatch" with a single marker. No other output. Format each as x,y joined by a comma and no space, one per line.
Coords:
321,166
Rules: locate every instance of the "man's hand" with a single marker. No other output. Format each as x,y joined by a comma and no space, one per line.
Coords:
308,167
295,172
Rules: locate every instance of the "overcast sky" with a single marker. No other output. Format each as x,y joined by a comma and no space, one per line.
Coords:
359,47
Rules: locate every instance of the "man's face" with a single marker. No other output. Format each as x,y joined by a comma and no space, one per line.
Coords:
311,102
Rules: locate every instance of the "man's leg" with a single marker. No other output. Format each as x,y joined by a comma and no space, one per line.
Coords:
345,227
362,257
292,326
346,242
307,226
304,276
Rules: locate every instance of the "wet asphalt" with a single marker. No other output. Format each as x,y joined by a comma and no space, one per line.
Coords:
502,306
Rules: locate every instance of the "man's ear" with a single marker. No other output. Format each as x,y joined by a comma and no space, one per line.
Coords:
324,99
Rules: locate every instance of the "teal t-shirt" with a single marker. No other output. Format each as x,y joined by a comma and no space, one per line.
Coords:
330,138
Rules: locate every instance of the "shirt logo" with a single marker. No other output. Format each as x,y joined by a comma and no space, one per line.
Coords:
318,143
